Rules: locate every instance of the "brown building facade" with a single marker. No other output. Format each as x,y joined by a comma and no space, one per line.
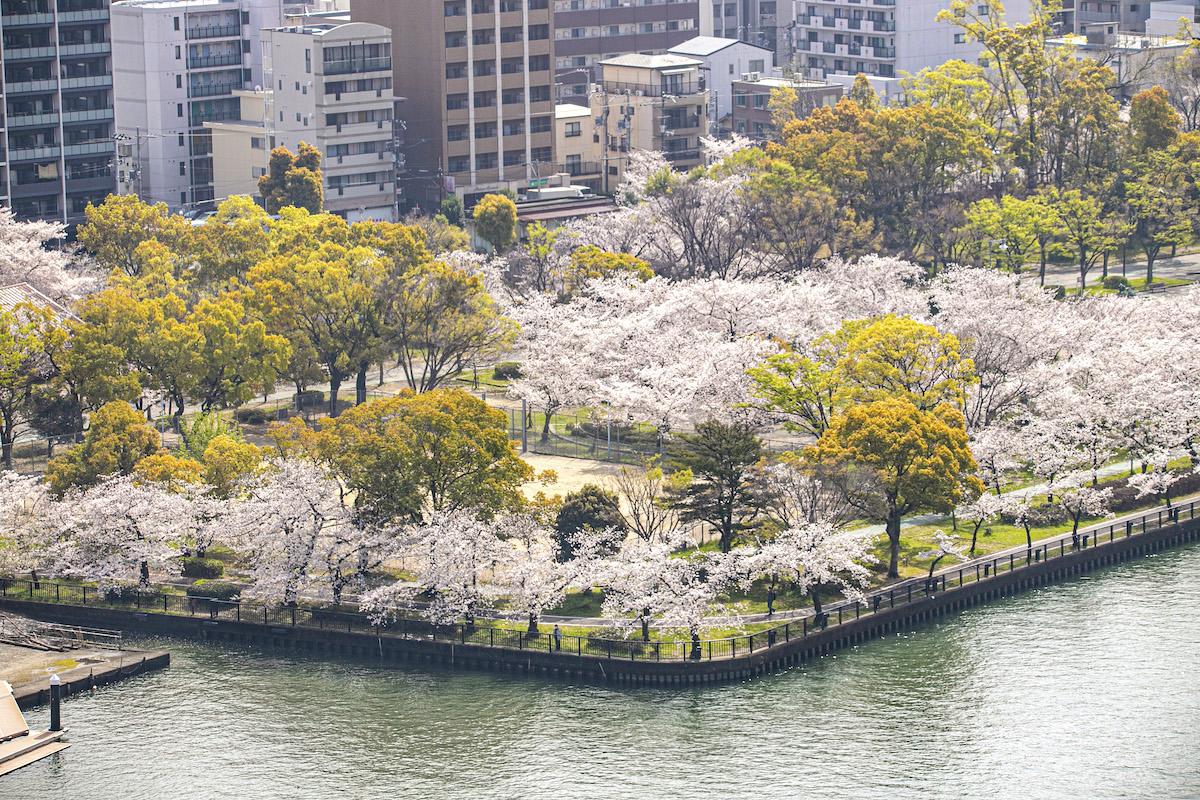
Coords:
478,80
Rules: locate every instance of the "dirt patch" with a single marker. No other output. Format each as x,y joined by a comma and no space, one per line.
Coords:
573,473
20,665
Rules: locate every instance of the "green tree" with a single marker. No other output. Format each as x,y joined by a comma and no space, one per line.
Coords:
862,94
117,439
1153,121
590,508
293,180
1083,229
329,296
782,105
413,453
891,459
237,357
115,229
1158,206
231,241
452,209
899,357
719,459
496,221
31,342
592,263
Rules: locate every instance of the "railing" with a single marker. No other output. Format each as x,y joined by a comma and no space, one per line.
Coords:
681,155
357,65
897,595
214,31
223,60
212,89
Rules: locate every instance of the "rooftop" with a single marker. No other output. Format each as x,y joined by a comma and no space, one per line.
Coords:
17,293
640,61
164,4
571,111
707,45
799,83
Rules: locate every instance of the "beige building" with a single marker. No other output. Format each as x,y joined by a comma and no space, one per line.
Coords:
478,81
648,103
577,144
331,86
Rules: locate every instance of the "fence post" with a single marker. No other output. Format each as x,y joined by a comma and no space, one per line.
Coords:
524,430
892,598
56,595
293,616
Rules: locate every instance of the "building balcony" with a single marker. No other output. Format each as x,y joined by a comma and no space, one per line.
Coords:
215,32
356,65
207,62
32,120
89,148
213,89
27,53
86,49
884,2
14,20
360,190
22,87
884,26
86,15
89,115
349,129
884,52
87,82
682,155
33,153
381,160
828,47
198,120
577,168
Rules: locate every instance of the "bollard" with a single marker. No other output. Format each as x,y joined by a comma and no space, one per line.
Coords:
55,703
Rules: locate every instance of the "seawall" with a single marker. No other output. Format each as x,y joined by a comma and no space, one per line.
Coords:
788,647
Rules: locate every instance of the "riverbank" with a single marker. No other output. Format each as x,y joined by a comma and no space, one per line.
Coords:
633,662
80,670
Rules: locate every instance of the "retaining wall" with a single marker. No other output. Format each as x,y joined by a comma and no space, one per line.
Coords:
782,655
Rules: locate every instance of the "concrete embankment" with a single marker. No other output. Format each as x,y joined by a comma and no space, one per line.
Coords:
784,648
112,667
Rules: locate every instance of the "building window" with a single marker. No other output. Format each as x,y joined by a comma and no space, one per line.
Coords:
183,168
181,142
176,23
960,38
297,116
183,198
257,143
760,101
307,61
179,109
614,30
739,100
756,65
245,17
573,130
731,69
178,81
177,53
258,172
983,10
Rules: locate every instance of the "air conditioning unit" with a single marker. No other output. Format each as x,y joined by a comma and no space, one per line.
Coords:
755,76
637,93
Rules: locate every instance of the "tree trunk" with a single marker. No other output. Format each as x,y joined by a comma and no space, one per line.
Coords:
1149,268
546,427
974,538
533,625
360,386
335,383
645,624
144,576
1042,273
696,654
893,533
1028,544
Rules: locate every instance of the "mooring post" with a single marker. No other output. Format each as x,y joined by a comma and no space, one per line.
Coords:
55,703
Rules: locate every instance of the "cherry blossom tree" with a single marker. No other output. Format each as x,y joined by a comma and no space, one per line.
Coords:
944,545
37,253
117,533
288,515
985,508
817,556
1080,500
528,571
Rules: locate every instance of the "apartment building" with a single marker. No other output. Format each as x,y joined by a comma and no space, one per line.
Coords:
754,21
751,114
655,102
723,61
881,38
328,85
56,129
588,31
478,81
176,65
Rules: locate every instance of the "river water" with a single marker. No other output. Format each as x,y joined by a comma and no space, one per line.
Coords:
1086,689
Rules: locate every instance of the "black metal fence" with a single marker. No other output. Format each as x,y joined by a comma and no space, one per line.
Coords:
899,594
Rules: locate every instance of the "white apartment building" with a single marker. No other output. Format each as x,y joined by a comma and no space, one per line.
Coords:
723,61
881,38
328,85
176,64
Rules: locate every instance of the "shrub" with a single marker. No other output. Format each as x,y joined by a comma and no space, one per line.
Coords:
214,590
591,507
194,567
506,371
1115,282
254,416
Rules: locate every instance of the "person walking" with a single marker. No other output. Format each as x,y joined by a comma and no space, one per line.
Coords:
557,637
770,601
